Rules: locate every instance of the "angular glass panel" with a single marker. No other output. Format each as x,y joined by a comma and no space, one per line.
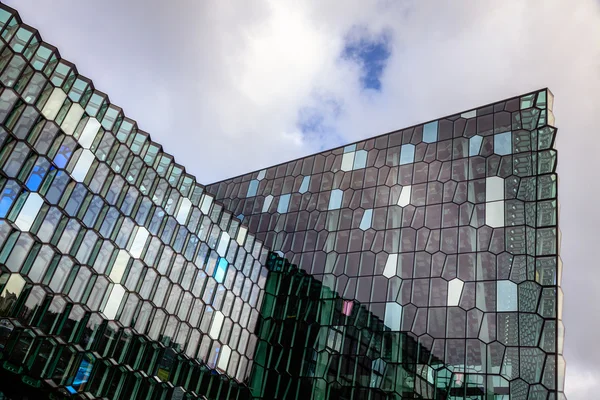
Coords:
284,202
347,161
405,194
223,244
29,212
494,189
113,301
54,103
475,145
507,299
430,132
494,214
365,222
455,287
139,242
407,154
83,165
360,159
220,270
503,143
119,266
350,148
267,203
303,186
241,236
72,119
89,133
390,266
184,211
393,315
252,188
217,323
335,199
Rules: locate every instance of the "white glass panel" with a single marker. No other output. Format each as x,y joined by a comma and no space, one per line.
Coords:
29,211
215,327
83,165
347,161
469,114
267,203
184,211
223,244
114,301
89,133
455,287
494,188
241,236
393,316
137,247
224,359
119,266
54,103
404,198
261,175
390,266
494,214
506,292
72,119
206,203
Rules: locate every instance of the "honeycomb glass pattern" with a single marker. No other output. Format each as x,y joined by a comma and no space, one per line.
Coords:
120,276
446,232
419,264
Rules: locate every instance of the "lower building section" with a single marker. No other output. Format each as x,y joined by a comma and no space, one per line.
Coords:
313,344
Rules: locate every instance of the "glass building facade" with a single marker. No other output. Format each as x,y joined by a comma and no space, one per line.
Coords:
419,264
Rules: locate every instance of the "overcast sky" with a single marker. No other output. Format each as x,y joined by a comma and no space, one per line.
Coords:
233,86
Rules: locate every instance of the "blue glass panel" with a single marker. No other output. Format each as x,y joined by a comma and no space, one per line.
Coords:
365,222
9,194
503,143
81,376
407,154
430,132
221,270
62,157
252,188
335,201
475,145
360,159
36,177
284,202
304,185
349,148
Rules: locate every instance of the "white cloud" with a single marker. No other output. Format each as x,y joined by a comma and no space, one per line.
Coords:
582,383
221,85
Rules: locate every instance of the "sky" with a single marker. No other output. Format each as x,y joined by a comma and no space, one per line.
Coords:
230,87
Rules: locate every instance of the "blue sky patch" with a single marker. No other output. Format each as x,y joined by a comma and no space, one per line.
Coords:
371,53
